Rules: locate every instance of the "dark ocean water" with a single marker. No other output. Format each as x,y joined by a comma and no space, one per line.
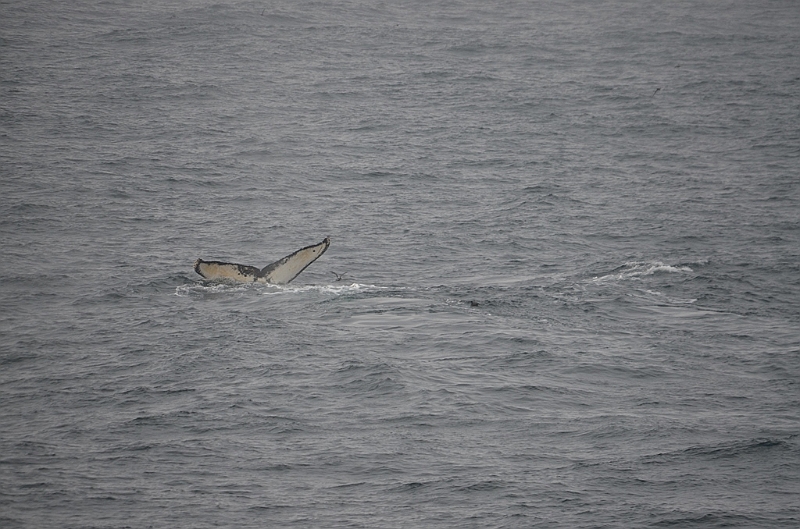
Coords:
570,233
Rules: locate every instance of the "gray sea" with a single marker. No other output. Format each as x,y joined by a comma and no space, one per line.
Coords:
569,233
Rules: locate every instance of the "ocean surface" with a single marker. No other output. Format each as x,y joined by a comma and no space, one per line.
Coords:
569,233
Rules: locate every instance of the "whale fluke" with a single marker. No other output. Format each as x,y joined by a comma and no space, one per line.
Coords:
280,272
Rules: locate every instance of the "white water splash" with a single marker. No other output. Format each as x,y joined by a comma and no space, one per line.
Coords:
637,269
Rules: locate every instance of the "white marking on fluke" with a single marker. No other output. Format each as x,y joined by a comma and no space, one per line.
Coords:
280,272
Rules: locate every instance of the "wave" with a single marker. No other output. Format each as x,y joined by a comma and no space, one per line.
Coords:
753,447
224,287
638,269
739,448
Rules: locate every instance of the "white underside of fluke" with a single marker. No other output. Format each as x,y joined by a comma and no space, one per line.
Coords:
280,272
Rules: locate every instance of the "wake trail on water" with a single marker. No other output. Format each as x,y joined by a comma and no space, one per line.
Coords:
225,287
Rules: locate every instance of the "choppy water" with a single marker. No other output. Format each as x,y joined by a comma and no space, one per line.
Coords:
570,233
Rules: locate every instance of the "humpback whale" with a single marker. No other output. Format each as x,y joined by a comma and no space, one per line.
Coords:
280,272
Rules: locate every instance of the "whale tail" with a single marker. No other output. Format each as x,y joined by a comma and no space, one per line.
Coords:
221,270
280,272
284,270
